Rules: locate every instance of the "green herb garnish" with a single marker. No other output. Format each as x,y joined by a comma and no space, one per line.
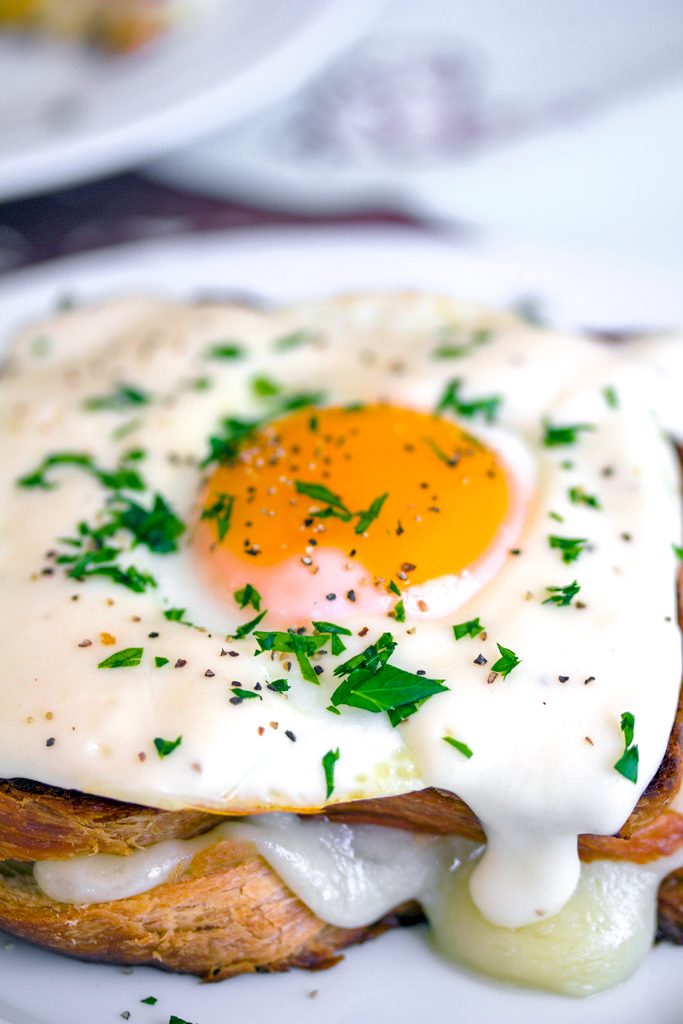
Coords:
160,662
507,661
562,596
561,435
225,350
123,398
264,387
128,657
175,614
578,496
248,596
166,747
237,691
279,685
370,514
627,765
220,513
450,400
246,627
301,645
374,685
329,761
335,633
471,628
333,503
150,1001
294,339
611,397
459,745
570,547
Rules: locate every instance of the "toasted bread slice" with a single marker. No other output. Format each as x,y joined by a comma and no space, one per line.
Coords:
228,913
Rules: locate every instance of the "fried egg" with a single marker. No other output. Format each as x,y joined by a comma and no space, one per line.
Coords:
353,549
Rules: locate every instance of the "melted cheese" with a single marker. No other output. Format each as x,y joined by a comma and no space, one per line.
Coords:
544,749
351,876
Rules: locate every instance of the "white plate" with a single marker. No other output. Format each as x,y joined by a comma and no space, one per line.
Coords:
397,979
67,114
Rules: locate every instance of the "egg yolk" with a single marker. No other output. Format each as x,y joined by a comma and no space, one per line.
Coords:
334,511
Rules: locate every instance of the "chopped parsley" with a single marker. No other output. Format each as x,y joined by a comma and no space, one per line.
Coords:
335,633
678,551
279,685
150,1001
225,350
398,612
286,342
610,395
248,596
301,645
166,747
627,765
450,350
562,596
451,400
119,479
175,614
371,684
329,761
128,657
177,1020
471,628
220,513
554,435
569,547
264,387
160,662
157,528
370,514
333,505
237,691
246,627
123,398
458,745
578,496
507,661
225,445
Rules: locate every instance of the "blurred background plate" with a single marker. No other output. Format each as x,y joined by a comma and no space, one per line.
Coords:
68,113
557,123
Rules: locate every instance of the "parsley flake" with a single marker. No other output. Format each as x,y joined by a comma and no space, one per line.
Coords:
610,395
246,627
160,662
333,503
562,596
220,512
150,1001
166,747
578,496
335,633
225,350
264,387
627,765
248,596
370,514
451,400
123,398
175,614
570,547
471,628
373,685
562,435
458,745
329,761
678,551
301,645
237,691
128,657
507,661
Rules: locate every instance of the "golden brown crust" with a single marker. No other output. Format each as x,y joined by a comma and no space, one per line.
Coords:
227,914
39,822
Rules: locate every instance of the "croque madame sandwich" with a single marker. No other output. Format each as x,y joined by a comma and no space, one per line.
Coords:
330,619
117,25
